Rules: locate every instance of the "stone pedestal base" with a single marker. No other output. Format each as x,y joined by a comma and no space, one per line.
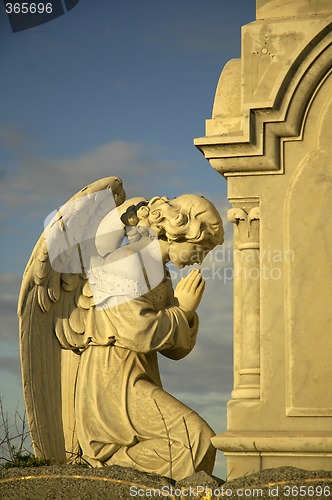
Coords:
250,452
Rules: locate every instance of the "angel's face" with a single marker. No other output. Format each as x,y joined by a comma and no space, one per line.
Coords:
186,253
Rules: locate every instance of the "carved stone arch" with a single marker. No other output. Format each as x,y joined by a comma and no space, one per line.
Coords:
308,232
263,123
299,90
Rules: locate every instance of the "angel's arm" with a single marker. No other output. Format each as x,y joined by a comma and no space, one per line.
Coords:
180,349
142,329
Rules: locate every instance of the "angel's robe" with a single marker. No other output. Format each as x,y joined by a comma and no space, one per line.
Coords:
123,415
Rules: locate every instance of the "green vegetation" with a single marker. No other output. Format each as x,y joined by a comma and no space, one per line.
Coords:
20,459
15,450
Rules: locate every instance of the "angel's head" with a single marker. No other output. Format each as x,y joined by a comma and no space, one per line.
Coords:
188,227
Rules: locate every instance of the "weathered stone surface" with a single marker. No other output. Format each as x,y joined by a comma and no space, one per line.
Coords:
282,482
200,479
279,8
121,483
77,483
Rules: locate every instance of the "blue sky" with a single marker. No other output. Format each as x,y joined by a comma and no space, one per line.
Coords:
116,88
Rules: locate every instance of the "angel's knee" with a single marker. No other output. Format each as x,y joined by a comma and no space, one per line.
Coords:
199,435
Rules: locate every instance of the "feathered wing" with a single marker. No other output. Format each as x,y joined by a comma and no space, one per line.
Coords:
54,301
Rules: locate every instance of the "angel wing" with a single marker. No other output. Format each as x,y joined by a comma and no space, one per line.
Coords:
54,301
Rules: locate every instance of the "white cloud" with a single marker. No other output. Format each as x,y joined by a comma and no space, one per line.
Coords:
9,283
11,365
38,179
9,289
9,321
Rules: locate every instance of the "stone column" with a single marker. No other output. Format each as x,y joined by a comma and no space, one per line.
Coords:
246,239
270,136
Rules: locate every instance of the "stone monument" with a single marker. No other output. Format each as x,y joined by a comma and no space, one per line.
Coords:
270,137
96,306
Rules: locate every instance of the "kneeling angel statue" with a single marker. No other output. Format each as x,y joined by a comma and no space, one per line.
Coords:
96,306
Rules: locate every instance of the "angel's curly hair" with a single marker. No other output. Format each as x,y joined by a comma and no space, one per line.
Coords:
187,218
